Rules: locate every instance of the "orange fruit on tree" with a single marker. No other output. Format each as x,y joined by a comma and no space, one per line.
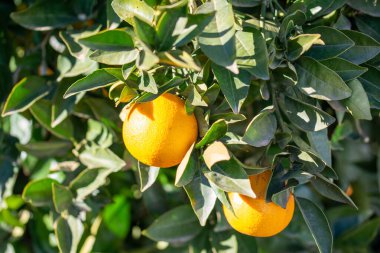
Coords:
159,132
256,216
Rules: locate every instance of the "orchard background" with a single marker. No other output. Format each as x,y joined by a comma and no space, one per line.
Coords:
291,86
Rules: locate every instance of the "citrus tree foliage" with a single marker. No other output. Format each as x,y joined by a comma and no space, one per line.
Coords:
291,86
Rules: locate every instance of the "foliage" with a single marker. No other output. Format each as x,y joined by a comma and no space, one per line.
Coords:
288,85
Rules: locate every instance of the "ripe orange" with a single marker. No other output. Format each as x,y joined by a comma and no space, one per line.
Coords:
255,216
159,132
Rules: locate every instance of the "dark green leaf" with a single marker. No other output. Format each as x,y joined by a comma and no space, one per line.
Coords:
217,130
147,83
335,43
145,32
42,113
318,81
358,104
114,57
361,236
45,15
202,197
330,190
24,94
371,8
217,39
306,116
179,58
187,168
46,148
169,226
298,45
345,69
260,131
162,89
39,192
369,25
370,80
62,197
234,87
98,79
147,175
365,47
68,232
317,224
109,40
251,52
166,27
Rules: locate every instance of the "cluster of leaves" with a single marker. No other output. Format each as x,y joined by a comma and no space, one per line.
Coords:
265,80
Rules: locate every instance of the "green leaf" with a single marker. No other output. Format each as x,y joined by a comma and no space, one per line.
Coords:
166,27
319,141
46,149
234,87
147,83
251,52
127,9
365,47
299,44
229,117
371,8
145,32
45,15
70,67
70,38
147,175
101,157
361,236
217,39
174,82
62,108
169,226
318,81
232,242
8,172
68,232
230,177
345,69
317,223
217,130
260,131
370,80
195,24
128,69
330,190
62,197
311,163
146,59
24,94
202,197
88,181
114,57
98,79
41,111
179,58
288,23
109,40
187,168
194,98
358,104
369,25
39,192
335,43
117,216
306,116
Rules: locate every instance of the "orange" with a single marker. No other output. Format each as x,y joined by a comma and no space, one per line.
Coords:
159,132
255,216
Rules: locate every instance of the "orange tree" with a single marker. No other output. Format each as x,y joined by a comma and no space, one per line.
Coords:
266,111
